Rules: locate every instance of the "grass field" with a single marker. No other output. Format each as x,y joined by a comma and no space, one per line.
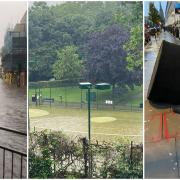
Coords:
106,125
73,94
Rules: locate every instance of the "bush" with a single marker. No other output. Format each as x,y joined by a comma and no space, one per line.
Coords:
39,167
54,155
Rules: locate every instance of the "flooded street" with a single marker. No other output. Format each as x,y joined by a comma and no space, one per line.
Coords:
161,155
13,116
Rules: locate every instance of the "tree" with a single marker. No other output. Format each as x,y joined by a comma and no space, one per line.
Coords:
51,28
134,47
68,65
106,57
154,14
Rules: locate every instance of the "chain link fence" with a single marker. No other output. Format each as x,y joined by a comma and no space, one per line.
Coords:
67,93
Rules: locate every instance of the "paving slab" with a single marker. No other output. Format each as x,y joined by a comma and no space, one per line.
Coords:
178,154
161,160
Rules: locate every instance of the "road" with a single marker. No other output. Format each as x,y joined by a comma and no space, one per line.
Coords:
13,116
162,142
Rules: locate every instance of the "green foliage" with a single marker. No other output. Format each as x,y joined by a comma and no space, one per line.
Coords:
106,56
154,14
134,46
40,166
68,65
134,49
52,28
124,167
129,15
54,155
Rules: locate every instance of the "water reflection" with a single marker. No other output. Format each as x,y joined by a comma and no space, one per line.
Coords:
13,115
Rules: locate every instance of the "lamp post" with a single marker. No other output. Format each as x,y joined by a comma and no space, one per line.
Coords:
89,86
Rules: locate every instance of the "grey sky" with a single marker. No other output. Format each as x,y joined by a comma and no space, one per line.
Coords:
10,14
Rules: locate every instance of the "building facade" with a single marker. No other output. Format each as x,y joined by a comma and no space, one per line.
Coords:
172,18
170,13
14,54
161,13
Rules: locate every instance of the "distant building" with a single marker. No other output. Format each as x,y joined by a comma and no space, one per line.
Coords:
161,13
171,16
14,54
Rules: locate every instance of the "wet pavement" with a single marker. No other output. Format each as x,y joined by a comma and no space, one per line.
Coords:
162,126
161,160
151,51
13,116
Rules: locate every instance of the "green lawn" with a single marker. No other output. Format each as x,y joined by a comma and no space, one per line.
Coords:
126,125
73,94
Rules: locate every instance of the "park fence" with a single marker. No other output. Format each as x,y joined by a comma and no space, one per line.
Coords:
68,94
78,159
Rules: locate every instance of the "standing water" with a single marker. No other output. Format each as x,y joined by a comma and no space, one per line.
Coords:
13,116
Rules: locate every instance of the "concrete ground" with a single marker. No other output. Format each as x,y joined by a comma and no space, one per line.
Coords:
162,141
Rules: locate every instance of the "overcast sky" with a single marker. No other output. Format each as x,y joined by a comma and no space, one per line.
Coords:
10,14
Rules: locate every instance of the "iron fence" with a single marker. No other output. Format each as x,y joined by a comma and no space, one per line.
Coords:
67,94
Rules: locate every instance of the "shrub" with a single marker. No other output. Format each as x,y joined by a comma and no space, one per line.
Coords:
54,155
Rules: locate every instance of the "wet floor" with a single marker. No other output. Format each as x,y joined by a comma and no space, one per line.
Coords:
161,155
12,116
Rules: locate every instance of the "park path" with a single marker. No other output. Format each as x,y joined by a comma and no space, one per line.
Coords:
162,155
12,116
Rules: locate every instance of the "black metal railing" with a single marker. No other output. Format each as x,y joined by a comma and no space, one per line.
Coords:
13,153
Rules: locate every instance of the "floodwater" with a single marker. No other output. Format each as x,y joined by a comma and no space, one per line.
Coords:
13,115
